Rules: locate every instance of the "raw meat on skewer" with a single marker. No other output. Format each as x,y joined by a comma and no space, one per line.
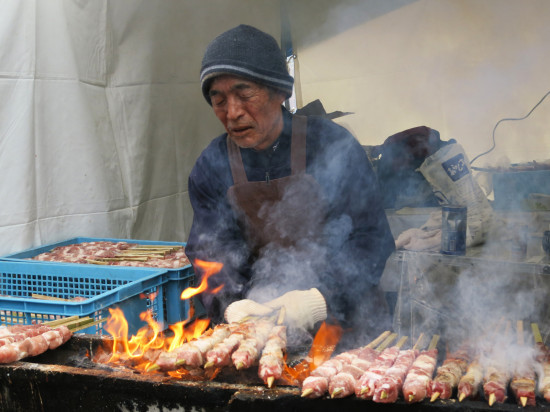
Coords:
449,373
469,384
366,385
354,366
389,387
495,384
543,357
272,360
249,349
192,353
523,383
220,354
317,383
21,341
497,376
419,377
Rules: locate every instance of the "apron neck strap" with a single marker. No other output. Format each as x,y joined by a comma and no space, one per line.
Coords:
236,162
298,145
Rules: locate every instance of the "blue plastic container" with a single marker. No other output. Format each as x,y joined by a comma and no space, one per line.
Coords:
177,280
103,287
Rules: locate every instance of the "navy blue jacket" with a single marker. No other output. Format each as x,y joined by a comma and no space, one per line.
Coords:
357,237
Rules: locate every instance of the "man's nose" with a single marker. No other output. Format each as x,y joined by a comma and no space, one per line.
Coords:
234,108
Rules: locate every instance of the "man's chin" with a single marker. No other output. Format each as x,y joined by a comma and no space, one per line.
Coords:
243,142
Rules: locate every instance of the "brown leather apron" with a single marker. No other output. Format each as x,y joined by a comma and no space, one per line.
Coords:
281,211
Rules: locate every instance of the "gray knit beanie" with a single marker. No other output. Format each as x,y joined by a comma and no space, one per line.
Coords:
247,52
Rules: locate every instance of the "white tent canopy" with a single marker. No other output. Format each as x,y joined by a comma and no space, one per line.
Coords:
102,117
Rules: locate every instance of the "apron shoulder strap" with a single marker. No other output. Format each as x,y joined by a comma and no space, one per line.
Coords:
298,145
236,162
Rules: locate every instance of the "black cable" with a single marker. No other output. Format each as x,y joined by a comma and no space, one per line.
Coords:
506,119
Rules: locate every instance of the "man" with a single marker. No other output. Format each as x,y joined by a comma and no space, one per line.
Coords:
289,205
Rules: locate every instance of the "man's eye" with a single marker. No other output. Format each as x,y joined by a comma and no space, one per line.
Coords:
246,95
217,101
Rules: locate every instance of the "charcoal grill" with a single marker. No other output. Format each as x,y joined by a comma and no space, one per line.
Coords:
65,379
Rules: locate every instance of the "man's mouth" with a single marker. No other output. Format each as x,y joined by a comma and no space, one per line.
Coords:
239,130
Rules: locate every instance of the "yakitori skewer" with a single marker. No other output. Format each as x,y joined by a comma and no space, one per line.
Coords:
250,349
317,383
366,385
449,373
220,354
389,386
523,383
417,382
497,374
192,353
543,357
470,383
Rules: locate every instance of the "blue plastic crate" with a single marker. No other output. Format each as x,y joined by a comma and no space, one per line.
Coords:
104,287
178,279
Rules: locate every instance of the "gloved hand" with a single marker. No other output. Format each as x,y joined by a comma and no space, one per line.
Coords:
241,309
303,308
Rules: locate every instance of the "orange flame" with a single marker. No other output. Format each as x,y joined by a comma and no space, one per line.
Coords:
142,348
210,269
323,345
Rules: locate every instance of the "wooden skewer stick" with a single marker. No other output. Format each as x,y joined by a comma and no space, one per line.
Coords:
156,247
336,392
378,340
307,392
433,342
433,345
77,322
46,297
536,333
138,257
58,322
401,342
142,252
153,367
519,332
148,252
418,341
96,262
87,325
523,400
386,342
492,399
118,259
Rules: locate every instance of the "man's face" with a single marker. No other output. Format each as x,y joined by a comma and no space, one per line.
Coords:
250,113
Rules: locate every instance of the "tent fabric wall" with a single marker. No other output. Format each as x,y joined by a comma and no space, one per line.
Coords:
458,66
102,116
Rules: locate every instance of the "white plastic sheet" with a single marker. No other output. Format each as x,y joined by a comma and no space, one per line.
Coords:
101,118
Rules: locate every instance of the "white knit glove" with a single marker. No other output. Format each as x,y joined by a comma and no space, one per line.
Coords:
303,308
241,309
